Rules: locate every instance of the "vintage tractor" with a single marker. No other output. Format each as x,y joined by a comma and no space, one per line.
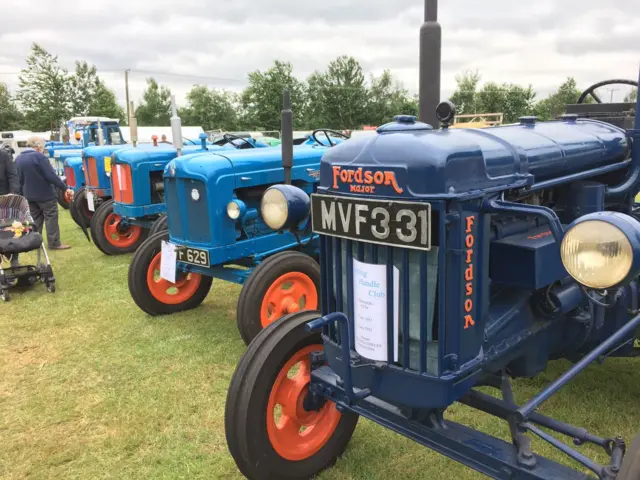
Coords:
451,259
137,208
216,230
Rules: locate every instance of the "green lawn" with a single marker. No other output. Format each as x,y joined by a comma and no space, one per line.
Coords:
91,388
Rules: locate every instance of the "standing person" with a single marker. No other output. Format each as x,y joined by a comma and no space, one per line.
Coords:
163,139
38,182
9,183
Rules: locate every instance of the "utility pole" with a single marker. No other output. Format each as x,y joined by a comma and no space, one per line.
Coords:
126,89
430,64
611,89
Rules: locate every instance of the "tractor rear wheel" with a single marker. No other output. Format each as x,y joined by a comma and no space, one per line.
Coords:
284,283
630,468
79,208
269,432
155,295
110,236
160,225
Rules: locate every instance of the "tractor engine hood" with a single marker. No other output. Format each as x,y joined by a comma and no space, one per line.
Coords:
409,159
147,153
258,166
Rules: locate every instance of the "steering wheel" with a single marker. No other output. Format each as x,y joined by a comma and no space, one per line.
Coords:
326,132
590,90
230,137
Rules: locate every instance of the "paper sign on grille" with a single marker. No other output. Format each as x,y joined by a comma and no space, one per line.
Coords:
370,310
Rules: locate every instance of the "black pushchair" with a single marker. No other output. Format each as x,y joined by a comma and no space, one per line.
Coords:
18,234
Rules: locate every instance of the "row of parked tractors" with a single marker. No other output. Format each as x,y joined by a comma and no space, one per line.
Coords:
392,275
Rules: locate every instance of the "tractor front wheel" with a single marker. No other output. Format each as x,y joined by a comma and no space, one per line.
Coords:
155,295
109,233
269,432
284,283
160,225
630,468
79,208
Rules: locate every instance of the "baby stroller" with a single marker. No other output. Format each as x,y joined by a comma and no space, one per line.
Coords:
18,234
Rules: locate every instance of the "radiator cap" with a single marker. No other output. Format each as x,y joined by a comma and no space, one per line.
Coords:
404,123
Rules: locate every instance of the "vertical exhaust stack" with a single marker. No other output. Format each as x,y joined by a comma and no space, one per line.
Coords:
430,63
176,126
286,127
133,125
100,134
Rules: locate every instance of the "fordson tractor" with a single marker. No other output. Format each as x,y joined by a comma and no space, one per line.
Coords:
450,259
217,230
137,208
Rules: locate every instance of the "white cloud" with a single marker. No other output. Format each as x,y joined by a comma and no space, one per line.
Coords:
538,43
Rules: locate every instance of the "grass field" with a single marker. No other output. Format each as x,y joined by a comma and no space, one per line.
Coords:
92,388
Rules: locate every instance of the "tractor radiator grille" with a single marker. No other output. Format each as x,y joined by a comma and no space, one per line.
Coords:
121,183
91,172
70,176
418,272
188,219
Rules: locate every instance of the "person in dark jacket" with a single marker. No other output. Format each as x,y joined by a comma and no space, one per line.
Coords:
38,182
9,183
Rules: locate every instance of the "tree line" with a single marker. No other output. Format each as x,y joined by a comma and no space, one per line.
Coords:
340,97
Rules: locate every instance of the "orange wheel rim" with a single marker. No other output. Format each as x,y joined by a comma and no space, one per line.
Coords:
171,293
118,237
296,434
290,293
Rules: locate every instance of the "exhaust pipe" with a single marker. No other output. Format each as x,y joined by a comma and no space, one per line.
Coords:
286,127
430,64
133,125
100,134
176,126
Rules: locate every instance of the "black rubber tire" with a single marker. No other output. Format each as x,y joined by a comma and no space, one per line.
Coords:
137,279
97,232
262,277
79,209
630,468
4,295
248,396
62,200
160,225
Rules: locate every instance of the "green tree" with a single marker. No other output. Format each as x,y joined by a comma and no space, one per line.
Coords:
44,90
11,117
105,104
83,85
556,103
464,97
155,107
262,99
386,99
211,109
632,96
338,98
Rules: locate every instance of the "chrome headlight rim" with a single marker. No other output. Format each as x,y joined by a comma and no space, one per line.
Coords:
629,242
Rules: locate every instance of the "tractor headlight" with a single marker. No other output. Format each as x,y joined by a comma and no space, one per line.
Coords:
195,194
236,209
601,250
284,206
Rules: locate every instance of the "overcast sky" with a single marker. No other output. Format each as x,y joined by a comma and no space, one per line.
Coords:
540,42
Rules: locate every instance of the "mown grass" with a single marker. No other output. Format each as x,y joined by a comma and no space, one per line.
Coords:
92,388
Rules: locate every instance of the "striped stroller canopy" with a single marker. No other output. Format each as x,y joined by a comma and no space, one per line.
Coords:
14,207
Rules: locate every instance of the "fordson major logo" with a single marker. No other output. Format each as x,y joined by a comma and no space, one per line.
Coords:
363,180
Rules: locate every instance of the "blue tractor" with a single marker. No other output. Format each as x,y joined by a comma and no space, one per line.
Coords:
137,209
217,230
451,260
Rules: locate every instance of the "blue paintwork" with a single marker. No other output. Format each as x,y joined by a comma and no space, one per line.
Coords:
234,175
446,348
75,164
